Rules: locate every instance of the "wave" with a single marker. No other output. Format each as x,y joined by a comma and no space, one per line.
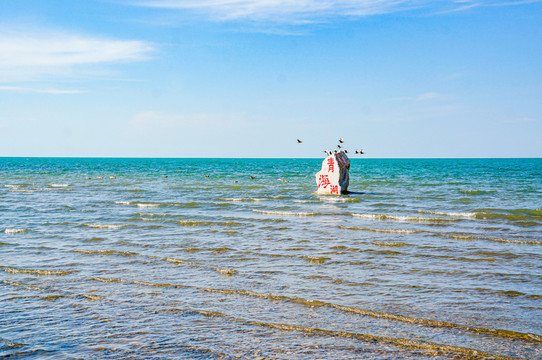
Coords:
316,259
403,218
91,297
339,199
123,202
401,318
387,231
477,192
468,215
59,185
195,223
501,240
38,272
389,243
151,214
15,231
422,347
510,214
143,205
285,213
244,199
106,252
529,337
13,186
104,226
226,272
24,286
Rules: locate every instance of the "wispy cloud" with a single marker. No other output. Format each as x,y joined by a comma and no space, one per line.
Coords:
306,11
27,56
39,90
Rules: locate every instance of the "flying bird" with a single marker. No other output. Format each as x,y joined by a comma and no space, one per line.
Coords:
339,146
341,140
299,141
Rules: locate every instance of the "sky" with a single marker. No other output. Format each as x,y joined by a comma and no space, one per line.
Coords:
247,78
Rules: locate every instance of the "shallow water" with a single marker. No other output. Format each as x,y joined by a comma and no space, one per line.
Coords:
149,258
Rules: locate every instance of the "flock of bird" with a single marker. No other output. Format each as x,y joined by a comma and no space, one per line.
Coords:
339,148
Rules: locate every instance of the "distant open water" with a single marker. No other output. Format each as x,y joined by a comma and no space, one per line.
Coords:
151,259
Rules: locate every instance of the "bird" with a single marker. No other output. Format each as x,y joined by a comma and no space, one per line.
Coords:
361,151
327,152
339,146
299,141
252,177
341,140
346,151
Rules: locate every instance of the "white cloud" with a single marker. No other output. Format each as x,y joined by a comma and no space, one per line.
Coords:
39,90
27,56
279,10
303,11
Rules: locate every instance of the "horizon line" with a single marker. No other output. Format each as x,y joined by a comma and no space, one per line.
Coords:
264,157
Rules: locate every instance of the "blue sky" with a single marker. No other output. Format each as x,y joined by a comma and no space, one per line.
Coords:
246,78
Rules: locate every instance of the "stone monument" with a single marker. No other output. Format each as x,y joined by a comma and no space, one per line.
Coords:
334,178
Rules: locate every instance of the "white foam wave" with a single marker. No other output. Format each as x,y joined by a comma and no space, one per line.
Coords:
401,218
123,202
13,186
242,199
104,226
147,205
59,185
387,231
151,214
451,214
285,213
15,231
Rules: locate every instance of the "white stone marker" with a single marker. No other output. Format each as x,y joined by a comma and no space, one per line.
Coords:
334,178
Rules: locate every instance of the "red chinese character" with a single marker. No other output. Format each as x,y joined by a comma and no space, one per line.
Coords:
330,165
323,181
334,189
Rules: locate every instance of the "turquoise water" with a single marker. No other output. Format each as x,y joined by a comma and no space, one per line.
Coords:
151,259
